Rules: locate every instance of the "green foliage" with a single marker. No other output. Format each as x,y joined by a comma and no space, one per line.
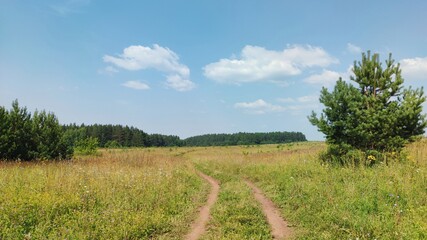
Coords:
112,144
87,146
48,135
124,136
245,139
376,115
26,137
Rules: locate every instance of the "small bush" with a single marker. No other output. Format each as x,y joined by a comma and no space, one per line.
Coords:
345,155
112,144
87,146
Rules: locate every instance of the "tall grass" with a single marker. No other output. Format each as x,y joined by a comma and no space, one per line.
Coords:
155,194
327,202
122,194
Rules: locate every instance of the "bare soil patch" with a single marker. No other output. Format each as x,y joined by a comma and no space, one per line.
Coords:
279,227
199,226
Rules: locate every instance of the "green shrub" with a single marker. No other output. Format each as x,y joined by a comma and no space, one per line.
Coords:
87,146
112,144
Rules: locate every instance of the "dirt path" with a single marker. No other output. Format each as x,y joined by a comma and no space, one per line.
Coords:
279,227
199,226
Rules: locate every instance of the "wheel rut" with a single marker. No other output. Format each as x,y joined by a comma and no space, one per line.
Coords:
199,226
279,227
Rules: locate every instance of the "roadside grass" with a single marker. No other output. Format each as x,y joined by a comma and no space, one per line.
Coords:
120,194
327,202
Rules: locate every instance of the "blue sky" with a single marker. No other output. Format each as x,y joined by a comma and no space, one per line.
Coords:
194,67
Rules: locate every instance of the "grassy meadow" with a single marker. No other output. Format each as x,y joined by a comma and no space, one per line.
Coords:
120,194
155,193
326,202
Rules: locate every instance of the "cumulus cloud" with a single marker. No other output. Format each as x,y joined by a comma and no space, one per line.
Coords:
257,64
179,83
259,107
109,70
292,105
308,99
414,68
286,100
326,78
303,99
136,85
162,59
353,48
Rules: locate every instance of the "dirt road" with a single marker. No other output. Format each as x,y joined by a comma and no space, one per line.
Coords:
279,227
199,226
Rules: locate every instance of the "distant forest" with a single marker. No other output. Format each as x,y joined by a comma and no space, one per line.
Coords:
124,136
39,136
119,136
244,139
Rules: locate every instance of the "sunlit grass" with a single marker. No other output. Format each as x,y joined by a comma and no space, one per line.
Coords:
155,193
326,202
236,214
121,194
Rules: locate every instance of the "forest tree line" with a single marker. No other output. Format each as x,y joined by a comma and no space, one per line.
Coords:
111,136
124,136
26,136
245,139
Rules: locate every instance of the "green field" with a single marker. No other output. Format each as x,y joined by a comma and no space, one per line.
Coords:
155,193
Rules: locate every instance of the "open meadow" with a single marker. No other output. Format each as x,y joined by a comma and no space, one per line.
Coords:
155,193
120,194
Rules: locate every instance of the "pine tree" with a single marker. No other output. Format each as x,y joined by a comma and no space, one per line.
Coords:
26,137
376,115
20,134
4,133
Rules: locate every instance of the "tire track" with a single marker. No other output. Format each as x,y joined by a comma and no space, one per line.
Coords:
279,227
199,226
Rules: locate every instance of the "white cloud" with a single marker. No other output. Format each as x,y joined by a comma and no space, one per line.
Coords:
286,100
258,64
140,57
308,99
179,83
162,59
303,99
259,107
136,85
326,78
353,48
303,105
414,68
109,70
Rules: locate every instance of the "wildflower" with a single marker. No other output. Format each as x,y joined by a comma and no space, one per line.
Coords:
372,158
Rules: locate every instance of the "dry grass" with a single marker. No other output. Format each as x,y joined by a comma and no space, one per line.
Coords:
155,193
327,202
137,193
